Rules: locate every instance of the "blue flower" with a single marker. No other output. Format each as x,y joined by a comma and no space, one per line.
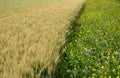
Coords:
89,51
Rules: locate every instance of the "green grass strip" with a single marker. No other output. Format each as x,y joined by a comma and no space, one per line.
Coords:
93,49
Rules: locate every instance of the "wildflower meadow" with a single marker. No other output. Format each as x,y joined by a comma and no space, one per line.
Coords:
92,49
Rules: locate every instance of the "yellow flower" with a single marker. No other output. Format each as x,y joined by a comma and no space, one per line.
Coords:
70,43
93,75
68,70
113,57
116,53
113,70
71,53
93,69
118,73
101,54
64,50
102,67
106,62
105,73
75,68
96,40
65,57
81,52
109,76
117,77
108,57
85,49
108,54
75,40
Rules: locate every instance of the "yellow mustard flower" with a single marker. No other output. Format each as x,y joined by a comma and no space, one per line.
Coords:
86,67
117,77
102,67
116,53
85,49
68,70
102,54
93,77
93,69
108,57
64,50
108,54
75,68
105,73
113,70
113,57
106,62
71,53
118,73
109,76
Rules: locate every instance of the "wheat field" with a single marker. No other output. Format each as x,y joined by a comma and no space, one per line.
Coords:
31,34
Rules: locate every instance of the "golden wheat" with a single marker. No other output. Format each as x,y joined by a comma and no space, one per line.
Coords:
30,37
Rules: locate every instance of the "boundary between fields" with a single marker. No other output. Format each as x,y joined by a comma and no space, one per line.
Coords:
74,24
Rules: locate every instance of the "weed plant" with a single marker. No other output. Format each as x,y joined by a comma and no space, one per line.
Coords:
93,48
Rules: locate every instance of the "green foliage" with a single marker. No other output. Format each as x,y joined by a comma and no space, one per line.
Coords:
93,49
